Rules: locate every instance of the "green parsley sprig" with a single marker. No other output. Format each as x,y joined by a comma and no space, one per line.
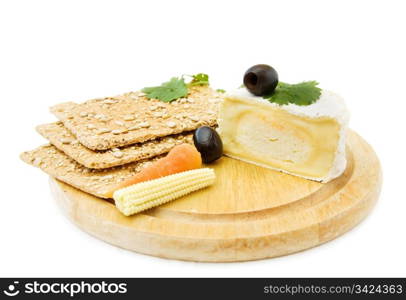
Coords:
304,93
199,79
175,88
167,91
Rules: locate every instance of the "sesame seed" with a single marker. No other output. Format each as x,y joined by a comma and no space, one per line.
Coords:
128,118
101,117
65,141
120,123
118,154
158,114
171,124
37,161
103,130
109,101
134,127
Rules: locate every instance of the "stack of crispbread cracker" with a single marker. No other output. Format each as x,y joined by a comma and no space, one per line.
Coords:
100,142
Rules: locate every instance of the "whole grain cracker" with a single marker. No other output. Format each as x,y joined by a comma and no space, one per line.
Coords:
97,123
96,182
64,140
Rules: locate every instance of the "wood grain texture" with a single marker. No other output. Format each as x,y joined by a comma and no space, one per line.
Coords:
249,213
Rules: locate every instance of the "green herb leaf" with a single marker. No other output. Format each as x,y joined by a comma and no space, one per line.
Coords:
168,91
220,91
304,93
200,79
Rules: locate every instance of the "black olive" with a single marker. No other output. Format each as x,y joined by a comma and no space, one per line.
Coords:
208,143
261,80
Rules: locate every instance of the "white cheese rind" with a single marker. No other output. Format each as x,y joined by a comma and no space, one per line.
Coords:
328,105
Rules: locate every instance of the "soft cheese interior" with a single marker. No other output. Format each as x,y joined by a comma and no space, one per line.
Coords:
303,141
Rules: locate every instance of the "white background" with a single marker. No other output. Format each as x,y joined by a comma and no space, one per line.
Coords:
54,51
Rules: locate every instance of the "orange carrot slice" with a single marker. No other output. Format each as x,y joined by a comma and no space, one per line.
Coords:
181,158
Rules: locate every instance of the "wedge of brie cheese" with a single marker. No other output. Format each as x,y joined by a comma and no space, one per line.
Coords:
306,141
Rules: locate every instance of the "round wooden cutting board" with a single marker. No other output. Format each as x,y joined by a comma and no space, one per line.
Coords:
249,213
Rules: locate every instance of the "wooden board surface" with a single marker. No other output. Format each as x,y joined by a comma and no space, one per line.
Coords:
249,213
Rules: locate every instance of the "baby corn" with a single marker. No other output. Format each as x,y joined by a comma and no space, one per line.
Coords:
144,195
